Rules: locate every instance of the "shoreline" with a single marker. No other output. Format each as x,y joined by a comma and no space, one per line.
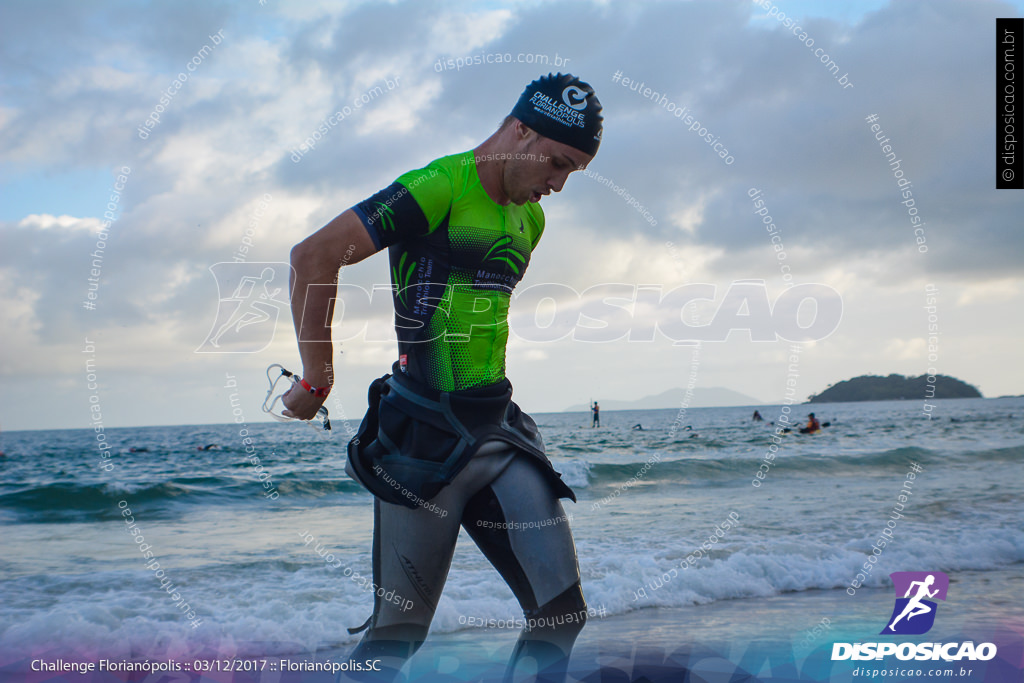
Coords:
784,631
787,636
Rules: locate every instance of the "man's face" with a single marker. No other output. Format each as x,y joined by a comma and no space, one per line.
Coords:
542,167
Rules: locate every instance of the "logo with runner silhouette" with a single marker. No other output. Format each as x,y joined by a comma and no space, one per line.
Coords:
250,297
914,612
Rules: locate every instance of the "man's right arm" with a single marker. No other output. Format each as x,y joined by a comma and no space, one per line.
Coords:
315,262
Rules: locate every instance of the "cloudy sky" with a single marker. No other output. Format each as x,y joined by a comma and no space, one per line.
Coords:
222,155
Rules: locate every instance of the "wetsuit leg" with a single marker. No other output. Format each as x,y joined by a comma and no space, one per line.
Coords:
543,649
412,553
520,526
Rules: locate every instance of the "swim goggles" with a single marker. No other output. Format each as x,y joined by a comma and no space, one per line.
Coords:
320,423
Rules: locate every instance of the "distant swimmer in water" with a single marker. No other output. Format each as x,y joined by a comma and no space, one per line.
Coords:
142,449
638,427
693,434
596,410
208,447
757,417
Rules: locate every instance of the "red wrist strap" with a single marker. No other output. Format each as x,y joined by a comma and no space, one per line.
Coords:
319,392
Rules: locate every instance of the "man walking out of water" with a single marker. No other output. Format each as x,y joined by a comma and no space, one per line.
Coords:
442,444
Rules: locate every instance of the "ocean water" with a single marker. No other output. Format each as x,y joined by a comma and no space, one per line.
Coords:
270,559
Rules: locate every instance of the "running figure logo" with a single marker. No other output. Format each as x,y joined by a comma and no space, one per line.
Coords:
253,306
914,613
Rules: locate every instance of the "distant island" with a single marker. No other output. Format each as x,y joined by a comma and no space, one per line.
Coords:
895,387
707,397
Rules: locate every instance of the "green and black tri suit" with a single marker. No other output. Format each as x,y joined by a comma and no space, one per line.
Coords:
442,428
456,256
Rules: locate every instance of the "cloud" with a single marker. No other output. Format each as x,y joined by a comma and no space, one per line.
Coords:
81,79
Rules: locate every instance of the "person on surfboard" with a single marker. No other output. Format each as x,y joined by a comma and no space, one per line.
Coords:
812,425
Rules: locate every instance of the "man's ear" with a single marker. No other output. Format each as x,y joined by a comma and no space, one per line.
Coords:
524,132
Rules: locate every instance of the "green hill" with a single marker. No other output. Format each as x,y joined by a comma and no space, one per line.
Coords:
895,387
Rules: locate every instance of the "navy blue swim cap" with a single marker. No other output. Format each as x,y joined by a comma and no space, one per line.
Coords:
563,108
